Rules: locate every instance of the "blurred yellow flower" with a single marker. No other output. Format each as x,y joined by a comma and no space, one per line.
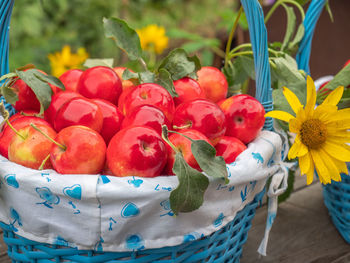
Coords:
153,38
322,134
62,61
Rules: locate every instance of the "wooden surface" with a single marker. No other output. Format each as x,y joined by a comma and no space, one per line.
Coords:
302,232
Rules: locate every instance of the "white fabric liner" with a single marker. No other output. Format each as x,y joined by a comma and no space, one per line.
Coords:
129,213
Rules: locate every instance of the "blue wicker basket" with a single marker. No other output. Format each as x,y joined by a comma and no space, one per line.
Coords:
224,245
337,194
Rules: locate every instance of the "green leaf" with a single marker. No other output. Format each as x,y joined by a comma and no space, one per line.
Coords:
40,87
127,74
293,45
9,95
94,62
146,77
341,79
180,65
3,112
205,155
189,194
291,22
179,33
49,79
164,79
125,37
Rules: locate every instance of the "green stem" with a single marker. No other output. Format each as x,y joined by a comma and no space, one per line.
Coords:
48,137
13,128
278,3
166,138
143,63
232,33
240,47
44,162
218,52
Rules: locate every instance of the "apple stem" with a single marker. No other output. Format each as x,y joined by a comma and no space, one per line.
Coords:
48,137
41,167
186,126
166,138
183,135
13,128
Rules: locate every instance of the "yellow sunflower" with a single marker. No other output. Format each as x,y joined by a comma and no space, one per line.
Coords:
62,61
322,134
153,38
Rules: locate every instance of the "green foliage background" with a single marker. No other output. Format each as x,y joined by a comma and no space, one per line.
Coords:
40,27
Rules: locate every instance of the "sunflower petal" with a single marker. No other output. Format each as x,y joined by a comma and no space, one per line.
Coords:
343,114
280,115
294,125
339,124
305,163
298,149
321,168
310,96
333,169
334,97
342,168
336,151
325,112
292,99
310,174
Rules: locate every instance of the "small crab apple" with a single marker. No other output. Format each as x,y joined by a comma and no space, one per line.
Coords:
100,83
244,116
19,115
112,119
79,111
184,146
213,82
7,133
202,115
152,94
78,150
127,83
146,115
188,89
229,148
30,148
136,151
57,101
70,79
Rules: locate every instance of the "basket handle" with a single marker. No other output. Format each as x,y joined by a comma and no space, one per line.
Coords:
312,15
5,16
258,38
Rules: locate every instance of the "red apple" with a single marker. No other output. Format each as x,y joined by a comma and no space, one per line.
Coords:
20,115
83,153
188,89
31,147
57,101
136,151
146,115
202,115
70,79
125,83
244,115
112,119
213,82
229,148
26,97
100,83
79,111
184,145
7,133
152,94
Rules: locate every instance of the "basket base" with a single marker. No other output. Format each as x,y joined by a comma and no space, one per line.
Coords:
336,198
224,245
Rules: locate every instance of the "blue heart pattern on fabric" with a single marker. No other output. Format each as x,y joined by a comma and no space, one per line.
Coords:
258,157
130,210
103,179
136,182
11,180
218,221
134,242
73,191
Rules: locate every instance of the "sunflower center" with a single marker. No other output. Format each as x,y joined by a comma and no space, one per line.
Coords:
313,133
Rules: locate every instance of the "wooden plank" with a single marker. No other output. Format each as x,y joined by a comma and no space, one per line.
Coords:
3,251
302,232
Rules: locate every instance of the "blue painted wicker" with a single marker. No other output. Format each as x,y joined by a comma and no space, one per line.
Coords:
337,194
224,245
